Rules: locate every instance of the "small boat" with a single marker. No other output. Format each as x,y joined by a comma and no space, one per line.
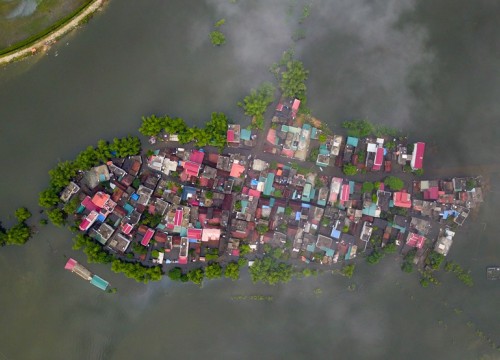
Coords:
80,270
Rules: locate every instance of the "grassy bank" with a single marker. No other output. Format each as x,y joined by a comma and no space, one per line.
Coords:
36,37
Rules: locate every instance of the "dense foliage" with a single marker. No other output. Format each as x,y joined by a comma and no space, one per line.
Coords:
232,271
394,183
292,83
214,133
213,271
93,250
270,271
196,276
18,234
363,128
137,271
22,214
348,270
374,257
256,103
217,38
461,274
349,169
367,187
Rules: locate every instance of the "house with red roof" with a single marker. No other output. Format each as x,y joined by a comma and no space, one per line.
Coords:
89,220
237,170
196,156
344,195
402,199
431,193
194,234
178,217
417,158
147,237
415,240
379,159
191,168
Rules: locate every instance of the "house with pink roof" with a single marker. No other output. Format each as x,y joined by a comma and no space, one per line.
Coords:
210,235
402,199
194,234
415,240
417,157
196,156
147,237
237,170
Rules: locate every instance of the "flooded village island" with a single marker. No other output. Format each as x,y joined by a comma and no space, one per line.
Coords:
278,199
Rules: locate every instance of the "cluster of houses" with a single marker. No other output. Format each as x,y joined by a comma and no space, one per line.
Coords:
179,206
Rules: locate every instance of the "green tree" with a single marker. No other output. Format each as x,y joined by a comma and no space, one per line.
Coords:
232,271
127,146
220,23
349,169
19,234
245,249
394,183
374,257
86,159
57,217
93,250
213,271
22,214
434,260
217,38
61,175
257,102
407,267
71,206
322,138
418,172
390,248
348,270
367,187
153,125
48,198
196,276
270,271
262,229
358,128
102,151
292,83
137,271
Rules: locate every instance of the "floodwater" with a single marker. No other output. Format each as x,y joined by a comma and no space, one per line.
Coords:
429,67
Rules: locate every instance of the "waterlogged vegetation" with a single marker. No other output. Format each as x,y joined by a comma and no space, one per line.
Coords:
291,76
137,271
216,36
462,275
363,128
214,132
19,233
256,104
